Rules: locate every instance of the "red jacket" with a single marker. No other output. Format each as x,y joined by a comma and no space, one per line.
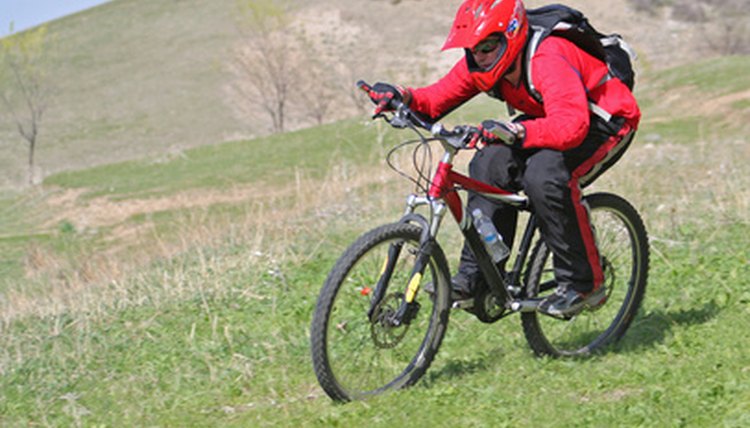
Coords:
565,76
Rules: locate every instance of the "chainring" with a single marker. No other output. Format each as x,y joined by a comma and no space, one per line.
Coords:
485,307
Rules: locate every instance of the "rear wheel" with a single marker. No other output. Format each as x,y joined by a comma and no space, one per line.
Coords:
623,245
361,344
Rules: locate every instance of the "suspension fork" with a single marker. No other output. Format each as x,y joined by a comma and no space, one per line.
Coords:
409,306
394,250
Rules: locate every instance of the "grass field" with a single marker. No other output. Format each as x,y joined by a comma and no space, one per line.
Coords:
234,354
180,291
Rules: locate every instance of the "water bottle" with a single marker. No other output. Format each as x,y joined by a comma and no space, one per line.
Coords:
493,242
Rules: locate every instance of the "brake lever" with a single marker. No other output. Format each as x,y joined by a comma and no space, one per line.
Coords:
400,119
469,133
458,138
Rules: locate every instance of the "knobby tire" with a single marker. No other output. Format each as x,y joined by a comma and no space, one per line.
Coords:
355,357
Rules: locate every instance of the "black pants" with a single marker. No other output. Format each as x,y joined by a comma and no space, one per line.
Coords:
552,180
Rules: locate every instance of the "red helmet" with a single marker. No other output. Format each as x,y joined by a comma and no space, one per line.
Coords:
478,19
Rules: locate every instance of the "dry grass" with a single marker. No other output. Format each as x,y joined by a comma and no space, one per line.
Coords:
86,279
706,184
703,184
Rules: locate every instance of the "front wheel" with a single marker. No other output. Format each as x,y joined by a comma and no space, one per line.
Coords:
363,343
623,246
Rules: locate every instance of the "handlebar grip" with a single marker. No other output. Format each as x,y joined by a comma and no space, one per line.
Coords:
361,84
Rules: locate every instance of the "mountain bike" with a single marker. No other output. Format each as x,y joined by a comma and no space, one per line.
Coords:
384,308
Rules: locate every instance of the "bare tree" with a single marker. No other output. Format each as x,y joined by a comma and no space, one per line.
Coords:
353,73
318,85
729,26
723,24
266,64
647,5
316,93
24,89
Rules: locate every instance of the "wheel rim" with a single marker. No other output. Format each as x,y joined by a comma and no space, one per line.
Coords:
594,327
367,356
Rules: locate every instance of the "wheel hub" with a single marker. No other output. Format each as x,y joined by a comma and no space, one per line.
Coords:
385,330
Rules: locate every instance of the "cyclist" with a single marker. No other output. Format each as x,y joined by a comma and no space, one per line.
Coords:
551,152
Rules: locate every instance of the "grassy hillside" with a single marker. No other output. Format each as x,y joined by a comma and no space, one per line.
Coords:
179,290
138,79
132,79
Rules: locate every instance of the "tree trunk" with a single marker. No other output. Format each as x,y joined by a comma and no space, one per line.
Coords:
32,149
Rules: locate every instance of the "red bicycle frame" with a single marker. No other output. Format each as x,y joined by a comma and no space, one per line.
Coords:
443,192
447,181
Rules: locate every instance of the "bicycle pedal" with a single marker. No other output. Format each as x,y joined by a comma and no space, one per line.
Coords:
463,304
525,305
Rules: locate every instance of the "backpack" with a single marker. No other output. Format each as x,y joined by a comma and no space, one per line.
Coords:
563,21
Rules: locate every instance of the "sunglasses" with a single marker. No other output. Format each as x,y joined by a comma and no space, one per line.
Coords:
487,45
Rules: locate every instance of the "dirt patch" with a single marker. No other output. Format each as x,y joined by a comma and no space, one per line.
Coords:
304,193
92,276
723,103
102,211
689,101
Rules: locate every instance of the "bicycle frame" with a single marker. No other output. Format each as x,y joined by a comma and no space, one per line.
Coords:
443,193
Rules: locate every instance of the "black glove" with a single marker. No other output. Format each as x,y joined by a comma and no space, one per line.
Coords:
384,95
494,132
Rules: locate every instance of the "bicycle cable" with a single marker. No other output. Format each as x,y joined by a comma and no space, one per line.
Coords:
421,164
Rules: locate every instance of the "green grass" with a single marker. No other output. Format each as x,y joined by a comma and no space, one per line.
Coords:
717,76
17,214
742,104
680,106
270,161
679,130
20,217
229,359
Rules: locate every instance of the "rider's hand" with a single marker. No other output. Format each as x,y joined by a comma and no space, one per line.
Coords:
494,132
384,95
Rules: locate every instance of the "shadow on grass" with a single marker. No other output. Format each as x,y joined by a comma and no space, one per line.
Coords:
646,331
654,327
455,369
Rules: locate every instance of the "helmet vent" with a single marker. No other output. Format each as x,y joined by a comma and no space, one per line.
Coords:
478,12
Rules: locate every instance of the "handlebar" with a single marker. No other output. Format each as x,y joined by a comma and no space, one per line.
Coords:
404,117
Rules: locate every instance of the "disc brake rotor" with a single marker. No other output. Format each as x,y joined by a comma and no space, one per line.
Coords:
385,334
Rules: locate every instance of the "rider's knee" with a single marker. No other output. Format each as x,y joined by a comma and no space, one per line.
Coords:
545,172
494,165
